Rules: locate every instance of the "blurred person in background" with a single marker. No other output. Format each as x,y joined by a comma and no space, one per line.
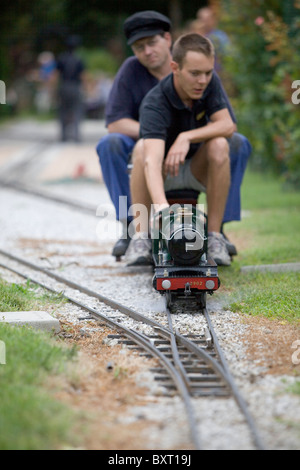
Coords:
44,99
70,69
206,23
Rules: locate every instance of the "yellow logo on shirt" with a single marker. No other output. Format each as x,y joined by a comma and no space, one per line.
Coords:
200,115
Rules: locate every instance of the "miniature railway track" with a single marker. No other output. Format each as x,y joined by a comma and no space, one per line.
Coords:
11,178
20,187
195,366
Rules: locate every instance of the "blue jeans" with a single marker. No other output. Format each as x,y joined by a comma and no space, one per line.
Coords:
114,153
239,152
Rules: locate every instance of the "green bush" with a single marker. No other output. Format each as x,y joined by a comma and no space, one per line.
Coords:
263,64
99,60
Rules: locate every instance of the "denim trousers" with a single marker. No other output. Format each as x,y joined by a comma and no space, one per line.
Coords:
114,152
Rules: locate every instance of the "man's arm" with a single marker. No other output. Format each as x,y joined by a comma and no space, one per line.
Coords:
122,106
220,125
125,126
154,150
227,101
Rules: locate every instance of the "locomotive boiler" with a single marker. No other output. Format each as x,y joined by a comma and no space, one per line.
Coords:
182,268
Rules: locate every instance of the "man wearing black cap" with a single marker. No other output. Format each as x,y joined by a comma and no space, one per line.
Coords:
148,33
145,24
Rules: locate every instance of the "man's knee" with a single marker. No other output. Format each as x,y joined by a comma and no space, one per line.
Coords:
138,155
218,150
239,146
111,146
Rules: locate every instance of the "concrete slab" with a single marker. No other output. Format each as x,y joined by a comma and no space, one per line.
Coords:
38,320
12,153
36,130
30,151
275,268
70,162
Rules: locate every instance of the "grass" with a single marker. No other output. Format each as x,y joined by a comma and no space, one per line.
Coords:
17,297
30,419
295,388
269,233
273,295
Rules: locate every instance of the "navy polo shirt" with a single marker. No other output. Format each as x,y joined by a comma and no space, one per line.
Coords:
163,115
132,82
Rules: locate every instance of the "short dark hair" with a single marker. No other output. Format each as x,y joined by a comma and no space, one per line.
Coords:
192,42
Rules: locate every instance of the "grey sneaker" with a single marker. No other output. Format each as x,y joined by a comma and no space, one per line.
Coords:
217,250
231,248
139,252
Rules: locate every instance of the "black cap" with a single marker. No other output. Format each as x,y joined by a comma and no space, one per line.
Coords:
144,24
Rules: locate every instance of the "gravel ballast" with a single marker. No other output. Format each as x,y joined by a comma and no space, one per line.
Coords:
62,239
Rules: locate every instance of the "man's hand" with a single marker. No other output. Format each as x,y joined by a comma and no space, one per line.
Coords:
176,155
159,207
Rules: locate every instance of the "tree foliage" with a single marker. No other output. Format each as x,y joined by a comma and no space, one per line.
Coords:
264,63
27,28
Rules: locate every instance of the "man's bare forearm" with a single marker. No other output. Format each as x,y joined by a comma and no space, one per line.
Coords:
154,156
125,126
222,128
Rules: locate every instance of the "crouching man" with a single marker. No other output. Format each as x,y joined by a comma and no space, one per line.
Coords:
185,124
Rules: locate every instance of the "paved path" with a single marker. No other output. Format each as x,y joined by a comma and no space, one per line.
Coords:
36,142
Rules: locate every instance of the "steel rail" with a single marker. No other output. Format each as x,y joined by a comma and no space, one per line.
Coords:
237,395
143,342
221,370
111,303
175,353
20,166
17,186
178,373
107,301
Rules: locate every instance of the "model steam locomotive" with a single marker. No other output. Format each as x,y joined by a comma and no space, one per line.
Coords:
179,248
